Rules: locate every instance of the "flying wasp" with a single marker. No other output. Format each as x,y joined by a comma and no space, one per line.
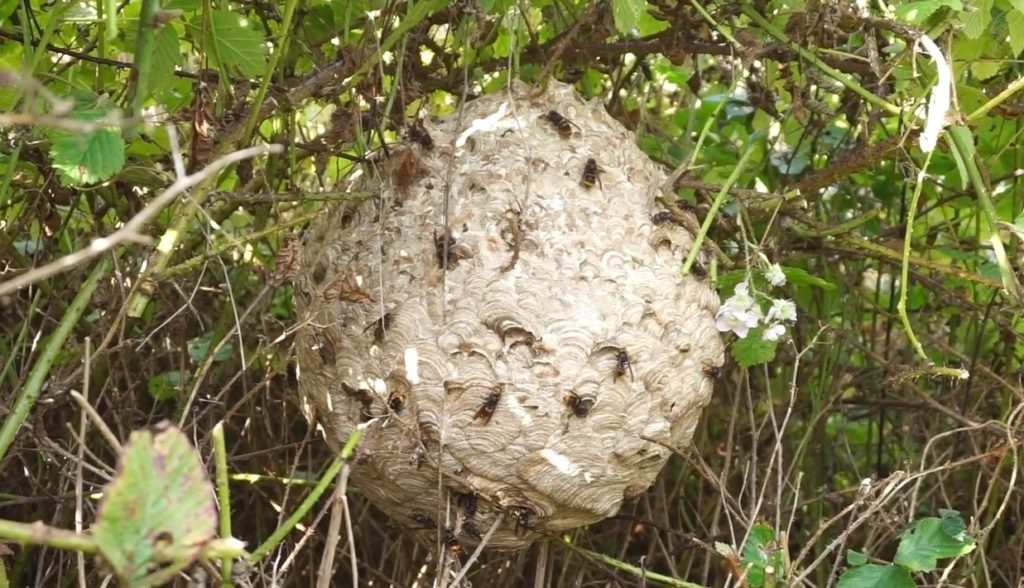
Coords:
561,123
591,174
486,410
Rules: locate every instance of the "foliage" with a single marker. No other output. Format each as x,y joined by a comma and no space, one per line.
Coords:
799,132
158,511
921,544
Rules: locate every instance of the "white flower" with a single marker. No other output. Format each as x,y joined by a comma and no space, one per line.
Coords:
741,299
774,332
774,275
782,310
736,320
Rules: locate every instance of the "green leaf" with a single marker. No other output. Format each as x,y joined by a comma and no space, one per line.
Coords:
953,524
753,349
925,542
199,349
800,277
856,558
230,43
918,12
158,511
975,23
649,25
166,56
87,157
627,14
876,576
167,385
985,69
1015,22
7,8
761,552
185,5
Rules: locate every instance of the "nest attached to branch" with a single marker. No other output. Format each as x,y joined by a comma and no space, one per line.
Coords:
526,364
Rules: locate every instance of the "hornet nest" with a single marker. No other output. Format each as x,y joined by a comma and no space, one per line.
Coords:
508,321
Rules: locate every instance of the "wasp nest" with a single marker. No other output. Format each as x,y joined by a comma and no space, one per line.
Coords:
526,363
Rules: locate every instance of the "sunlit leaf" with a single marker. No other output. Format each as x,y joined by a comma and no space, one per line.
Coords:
236,46
753,349
1015,22
158,511
761,553
166,56
926,541
876,576
627,14
856,558
918,12
87,157
985,69
976,22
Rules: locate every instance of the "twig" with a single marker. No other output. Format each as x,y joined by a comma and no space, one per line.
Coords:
339,510
476,552
83,425
132,230
89,412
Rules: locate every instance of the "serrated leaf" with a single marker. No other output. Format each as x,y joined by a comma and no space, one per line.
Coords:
953,524
918,12
236,46
158,511
761,551
925,542
985,69
875,576
975,23
166,56
856,558
753,349
87,157
627,14
1015,22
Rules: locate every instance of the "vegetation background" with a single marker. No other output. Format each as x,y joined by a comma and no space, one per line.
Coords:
146,273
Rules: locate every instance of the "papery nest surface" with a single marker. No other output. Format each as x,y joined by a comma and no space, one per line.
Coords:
529,362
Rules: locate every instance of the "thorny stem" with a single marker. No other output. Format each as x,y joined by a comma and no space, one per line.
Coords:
810,56
720,198
326,479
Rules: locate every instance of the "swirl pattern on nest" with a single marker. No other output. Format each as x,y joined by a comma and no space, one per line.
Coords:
525,354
